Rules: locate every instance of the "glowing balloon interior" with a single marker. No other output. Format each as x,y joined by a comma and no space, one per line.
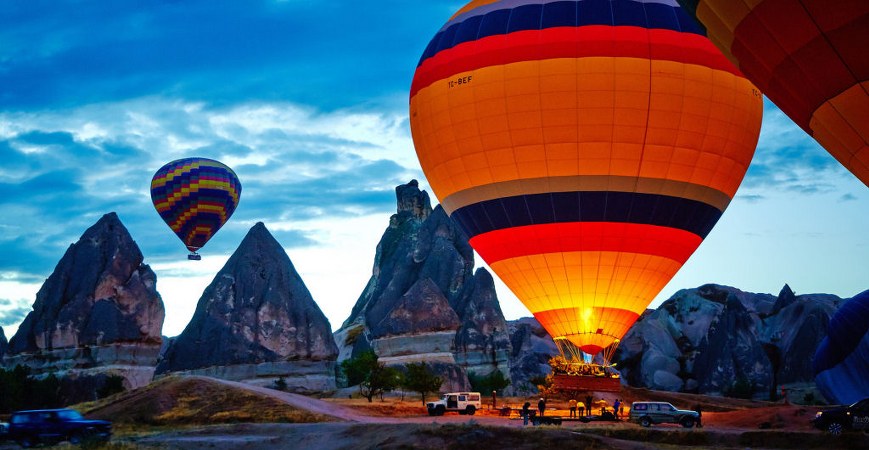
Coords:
809,57
585,147
195,197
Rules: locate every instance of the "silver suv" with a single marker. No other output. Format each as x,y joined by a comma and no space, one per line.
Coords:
648,413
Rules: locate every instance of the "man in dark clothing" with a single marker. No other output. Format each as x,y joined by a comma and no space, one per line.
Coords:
541,406
588,400
526,412
699,411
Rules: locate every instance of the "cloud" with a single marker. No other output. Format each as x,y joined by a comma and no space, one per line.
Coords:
297,164
306,52
13,312
789,160
848,197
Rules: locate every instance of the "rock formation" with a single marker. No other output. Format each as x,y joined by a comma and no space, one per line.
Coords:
720,340
3,342
97,314
424,264
257,322
532,349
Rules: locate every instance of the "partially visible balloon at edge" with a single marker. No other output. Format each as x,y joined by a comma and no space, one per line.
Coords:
195,197
809,57
841,362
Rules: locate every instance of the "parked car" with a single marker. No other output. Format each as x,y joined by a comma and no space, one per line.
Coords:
4,429
51,426
649,413
837,420
463,402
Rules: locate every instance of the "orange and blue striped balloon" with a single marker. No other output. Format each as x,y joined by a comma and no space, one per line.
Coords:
585,147
195,197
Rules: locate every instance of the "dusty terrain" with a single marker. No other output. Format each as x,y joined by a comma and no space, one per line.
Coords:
201,412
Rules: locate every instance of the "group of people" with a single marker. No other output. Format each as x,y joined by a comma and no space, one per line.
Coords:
618,408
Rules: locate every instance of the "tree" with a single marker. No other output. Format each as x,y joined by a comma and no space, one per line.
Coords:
421,379
373,377
494,381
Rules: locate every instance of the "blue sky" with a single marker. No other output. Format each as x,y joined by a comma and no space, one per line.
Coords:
307,101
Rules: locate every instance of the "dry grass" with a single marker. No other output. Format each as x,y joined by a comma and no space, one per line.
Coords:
176,401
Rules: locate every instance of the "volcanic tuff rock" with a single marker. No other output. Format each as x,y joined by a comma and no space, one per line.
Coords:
256,322
98,312
718,339
2,342
532,348
424,263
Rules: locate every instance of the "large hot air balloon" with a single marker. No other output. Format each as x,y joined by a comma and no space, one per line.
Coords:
586,148
841,363
809,57
195,197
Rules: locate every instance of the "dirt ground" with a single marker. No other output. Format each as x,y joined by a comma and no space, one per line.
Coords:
393,424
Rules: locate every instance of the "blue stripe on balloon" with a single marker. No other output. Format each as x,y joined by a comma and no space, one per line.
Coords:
468,28
587,206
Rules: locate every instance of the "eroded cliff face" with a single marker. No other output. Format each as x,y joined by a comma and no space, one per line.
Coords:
718,340
424,302
256,322
98,313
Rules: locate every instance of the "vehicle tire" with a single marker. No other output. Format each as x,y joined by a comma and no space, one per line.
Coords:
440,410
432,412
26,442
687,422
645,422
76,438
470,410
835,428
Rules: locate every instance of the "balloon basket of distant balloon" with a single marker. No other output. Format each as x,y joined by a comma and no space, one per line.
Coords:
193,256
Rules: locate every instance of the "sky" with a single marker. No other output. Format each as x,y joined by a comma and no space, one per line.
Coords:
307,101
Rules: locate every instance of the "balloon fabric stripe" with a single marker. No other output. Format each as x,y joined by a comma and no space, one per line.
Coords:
557,43
511,16
565,207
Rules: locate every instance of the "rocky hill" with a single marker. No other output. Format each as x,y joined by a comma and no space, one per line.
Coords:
256,322
97,314
3,342
425,302
720,340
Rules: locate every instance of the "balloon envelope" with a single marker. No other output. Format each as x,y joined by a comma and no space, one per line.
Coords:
841,363
195,197
809,57
585,147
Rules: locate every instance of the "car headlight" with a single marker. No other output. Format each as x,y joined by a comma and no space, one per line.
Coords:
818,415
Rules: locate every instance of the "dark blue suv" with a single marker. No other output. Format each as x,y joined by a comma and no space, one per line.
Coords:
29,428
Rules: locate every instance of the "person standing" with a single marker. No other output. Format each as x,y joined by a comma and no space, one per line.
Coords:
616,407
572,407
526,411
588,401
541,406
699,411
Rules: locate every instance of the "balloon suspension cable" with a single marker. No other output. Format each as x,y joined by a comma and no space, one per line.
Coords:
573,361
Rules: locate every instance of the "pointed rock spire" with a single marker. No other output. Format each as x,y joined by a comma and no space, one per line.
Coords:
99,293
256,310
2,342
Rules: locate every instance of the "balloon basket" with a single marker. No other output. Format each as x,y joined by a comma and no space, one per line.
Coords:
570,383
194,257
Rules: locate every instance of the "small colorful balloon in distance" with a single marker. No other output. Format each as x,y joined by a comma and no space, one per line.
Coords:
809,57
195,197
